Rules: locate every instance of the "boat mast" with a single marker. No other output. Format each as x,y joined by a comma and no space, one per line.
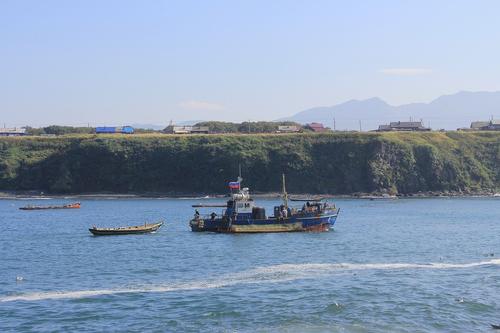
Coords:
239,175
285,195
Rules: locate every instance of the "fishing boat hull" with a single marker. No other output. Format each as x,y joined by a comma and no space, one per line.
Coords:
207,225
70,206
141,229
319,223
306,224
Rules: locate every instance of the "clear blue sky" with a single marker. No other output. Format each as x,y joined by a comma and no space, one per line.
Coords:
117,62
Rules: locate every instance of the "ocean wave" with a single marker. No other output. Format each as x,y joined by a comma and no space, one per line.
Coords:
266,274
372,266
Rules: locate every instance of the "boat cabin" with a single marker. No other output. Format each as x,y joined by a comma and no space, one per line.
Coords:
241,204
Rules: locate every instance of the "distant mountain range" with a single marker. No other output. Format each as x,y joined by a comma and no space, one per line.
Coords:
447,112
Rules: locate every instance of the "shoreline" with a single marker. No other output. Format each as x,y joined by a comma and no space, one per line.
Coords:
37,195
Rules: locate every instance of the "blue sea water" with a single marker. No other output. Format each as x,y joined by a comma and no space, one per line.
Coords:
406,265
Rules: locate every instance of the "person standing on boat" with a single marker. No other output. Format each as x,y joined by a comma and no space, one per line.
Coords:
284,212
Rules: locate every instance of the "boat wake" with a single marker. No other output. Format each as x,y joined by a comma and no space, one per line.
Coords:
267,274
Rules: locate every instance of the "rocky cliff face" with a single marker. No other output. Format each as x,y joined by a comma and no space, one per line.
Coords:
396,163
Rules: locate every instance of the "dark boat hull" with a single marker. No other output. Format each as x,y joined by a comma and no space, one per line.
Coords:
45,208
294,224
125,231
70,206
207,225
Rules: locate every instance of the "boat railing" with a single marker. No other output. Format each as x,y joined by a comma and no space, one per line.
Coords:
209,216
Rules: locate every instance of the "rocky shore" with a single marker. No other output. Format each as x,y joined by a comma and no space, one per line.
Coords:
37,195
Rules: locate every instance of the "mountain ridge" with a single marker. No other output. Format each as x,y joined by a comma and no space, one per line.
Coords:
450,111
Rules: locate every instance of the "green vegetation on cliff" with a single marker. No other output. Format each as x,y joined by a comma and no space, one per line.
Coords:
336,163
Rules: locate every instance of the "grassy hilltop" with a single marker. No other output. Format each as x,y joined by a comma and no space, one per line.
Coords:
335,163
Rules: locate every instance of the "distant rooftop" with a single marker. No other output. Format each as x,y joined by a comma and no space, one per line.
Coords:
12,131
479,124
493,124
187,129
404,126
317,127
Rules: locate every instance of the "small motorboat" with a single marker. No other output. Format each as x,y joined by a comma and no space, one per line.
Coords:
74,205
136,229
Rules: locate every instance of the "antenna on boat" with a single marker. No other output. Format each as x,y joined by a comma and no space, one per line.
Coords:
285,195
240,179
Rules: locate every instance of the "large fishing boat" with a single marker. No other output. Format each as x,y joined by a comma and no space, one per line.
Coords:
241,215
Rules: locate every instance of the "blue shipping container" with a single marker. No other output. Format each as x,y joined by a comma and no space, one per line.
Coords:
105,129
127,130
110,130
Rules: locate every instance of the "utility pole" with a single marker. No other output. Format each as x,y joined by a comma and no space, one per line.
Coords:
360,126
334,124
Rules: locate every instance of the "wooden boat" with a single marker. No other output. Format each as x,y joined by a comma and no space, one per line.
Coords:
137,229
74,205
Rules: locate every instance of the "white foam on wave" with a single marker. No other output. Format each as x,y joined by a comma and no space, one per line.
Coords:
266,274
376,266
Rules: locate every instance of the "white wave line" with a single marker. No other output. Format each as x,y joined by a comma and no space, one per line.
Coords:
350,266
267,274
